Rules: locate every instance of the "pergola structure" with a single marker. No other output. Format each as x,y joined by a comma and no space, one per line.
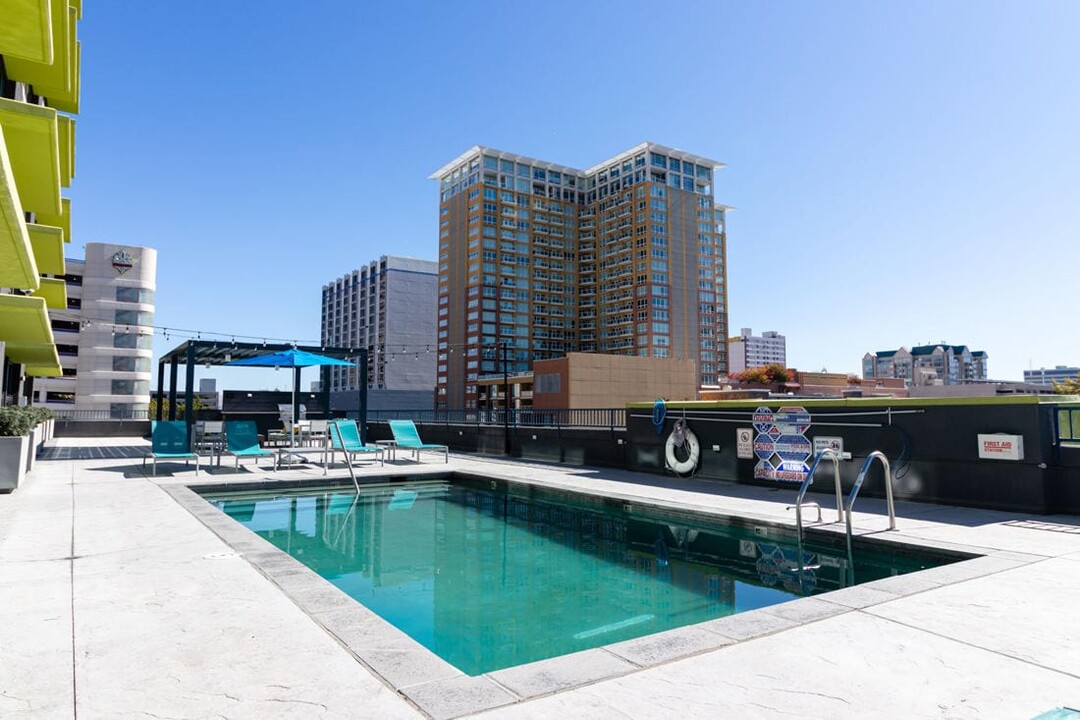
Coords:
218,352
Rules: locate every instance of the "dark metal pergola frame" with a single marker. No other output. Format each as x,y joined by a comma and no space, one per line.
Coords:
217,352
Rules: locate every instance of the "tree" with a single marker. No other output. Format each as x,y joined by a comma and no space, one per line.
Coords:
165,407
1068,387
766,375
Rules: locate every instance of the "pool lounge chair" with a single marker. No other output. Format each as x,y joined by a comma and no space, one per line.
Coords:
406,436
169,441
242,441
345,436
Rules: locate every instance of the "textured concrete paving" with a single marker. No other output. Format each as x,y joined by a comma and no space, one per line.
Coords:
117,600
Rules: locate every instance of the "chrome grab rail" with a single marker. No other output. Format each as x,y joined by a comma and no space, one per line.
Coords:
826,453
875,455
348,462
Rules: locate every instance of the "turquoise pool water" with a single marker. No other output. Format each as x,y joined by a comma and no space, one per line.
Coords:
489,577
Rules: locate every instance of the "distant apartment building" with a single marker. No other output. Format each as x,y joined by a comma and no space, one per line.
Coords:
747,350
1049,376
388,308
538,260
923,365
105,336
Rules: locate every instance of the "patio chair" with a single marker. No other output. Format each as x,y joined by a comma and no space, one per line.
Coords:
169,441
317,430
242,441
208,436
345,436
406,436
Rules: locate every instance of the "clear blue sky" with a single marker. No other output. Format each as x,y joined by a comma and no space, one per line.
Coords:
903,172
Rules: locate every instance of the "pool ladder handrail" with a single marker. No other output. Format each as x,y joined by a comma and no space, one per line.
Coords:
348,462
875,455
805,485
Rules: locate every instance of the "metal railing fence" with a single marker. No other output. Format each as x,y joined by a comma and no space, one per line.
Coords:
597,418
90,415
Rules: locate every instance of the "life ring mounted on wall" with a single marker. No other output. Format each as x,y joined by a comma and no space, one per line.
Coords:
682,438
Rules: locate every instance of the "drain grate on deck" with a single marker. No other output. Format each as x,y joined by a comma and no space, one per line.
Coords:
94,453
1044,525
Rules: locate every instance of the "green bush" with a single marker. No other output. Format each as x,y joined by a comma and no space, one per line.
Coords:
15,421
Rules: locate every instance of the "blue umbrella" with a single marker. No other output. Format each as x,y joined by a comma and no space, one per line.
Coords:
291,358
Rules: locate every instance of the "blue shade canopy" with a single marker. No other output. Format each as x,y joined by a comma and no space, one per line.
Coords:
290,358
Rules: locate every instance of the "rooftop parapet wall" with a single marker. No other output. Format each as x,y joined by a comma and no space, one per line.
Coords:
932,443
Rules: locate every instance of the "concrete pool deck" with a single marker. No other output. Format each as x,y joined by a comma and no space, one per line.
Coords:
120,598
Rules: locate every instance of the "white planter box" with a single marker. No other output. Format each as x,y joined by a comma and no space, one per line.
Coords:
37,438
13,468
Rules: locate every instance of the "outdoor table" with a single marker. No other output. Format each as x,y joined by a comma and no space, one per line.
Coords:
389,446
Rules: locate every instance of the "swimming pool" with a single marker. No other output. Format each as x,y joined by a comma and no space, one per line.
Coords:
489,575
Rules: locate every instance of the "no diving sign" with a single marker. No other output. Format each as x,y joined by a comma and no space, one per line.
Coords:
744,443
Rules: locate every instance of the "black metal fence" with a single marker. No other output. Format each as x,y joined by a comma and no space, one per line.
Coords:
603,418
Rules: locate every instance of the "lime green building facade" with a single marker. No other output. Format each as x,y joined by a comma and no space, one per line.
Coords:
39,94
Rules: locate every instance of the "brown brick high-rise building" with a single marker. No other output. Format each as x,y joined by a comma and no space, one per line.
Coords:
537,260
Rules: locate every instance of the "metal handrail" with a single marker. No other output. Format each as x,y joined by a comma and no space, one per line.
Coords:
878,455
875,455
825,453
348,461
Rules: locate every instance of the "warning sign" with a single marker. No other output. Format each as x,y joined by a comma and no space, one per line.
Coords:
744,443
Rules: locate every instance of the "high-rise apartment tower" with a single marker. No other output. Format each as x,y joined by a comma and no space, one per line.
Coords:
537,260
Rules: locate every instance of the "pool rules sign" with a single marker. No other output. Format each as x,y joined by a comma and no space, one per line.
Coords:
781,446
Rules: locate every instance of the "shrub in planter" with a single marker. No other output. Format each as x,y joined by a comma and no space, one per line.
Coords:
16,421
15,446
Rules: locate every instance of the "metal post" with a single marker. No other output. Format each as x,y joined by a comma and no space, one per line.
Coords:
324,390
173,362
189,390
160,390
296,396
362,396
506,402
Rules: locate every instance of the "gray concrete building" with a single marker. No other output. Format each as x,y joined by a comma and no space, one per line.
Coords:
387,307
747,350
1049,376
105,336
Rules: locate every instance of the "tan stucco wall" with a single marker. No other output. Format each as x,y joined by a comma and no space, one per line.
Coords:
601,381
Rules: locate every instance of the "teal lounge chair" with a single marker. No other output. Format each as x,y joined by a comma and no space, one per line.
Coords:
169,441
405,436
242,441
345,436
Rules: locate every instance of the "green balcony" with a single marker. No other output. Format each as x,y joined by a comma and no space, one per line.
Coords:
54,292
26,332
18,268
57,77
48,246
32,134
27,30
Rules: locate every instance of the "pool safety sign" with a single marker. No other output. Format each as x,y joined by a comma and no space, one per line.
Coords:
744,443
836,444
781,445
1001,447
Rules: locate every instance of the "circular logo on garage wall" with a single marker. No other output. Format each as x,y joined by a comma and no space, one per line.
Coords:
122,261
